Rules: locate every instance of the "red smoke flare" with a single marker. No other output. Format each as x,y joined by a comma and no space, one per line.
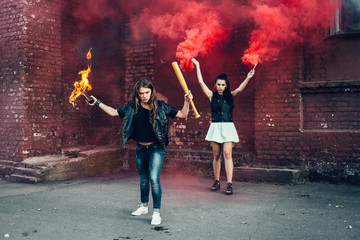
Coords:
287,22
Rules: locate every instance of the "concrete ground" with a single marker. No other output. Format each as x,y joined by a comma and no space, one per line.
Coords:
100,207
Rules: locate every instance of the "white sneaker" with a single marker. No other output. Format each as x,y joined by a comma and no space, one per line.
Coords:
156,219
140,211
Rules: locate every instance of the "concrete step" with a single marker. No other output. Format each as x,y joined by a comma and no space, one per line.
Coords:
23,178
31,171
271,174
91,161
74,163
8,163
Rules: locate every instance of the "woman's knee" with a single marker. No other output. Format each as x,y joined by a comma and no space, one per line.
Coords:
227,151
227,155
217,157
154,180
216,151
154,176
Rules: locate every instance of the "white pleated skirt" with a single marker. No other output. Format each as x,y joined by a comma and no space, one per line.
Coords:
221,132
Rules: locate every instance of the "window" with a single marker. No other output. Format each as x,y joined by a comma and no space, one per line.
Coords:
347,19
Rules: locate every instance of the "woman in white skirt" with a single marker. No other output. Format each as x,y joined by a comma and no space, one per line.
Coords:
222,133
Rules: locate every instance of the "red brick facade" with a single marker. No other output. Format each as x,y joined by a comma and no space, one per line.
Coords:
307,114
300,110
12,80
330,110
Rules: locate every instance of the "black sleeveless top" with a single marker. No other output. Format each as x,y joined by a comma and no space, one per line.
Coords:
143,130
221,110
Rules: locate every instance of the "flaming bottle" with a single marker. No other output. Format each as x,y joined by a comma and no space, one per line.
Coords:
82,86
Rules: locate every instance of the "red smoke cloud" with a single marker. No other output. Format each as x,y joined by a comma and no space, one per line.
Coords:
199,26
285,22
200,40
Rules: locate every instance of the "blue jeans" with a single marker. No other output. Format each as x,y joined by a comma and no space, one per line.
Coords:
149,161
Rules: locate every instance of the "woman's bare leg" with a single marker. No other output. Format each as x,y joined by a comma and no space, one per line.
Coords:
216,147
229,164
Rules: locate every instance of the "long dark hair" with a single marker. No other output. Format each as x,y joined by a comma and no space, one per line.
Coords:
227,93
153,98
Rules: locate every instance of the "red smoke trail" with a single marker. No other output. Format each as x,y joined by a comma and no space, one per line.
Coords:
287,22
199,23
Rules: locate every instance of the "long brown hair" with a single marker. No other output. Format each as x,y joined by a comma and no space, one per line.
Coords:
227,93
153,98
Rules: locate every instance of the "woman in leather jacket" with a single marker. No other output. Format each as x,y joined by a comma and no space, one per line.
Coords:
146,122
222,133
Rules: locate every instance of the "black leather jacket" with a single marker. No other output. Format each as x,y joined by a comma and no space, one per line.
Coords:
221,110
162,119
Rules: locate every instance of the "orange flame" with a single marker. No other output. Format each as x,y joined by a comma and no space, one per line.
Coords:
88,55
83,85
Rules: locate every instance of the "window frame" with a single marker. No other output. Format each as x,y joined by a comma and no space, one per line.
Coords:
337,29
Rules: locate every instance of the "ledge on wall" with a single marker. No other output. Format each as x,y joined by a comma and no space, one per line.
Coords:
330,86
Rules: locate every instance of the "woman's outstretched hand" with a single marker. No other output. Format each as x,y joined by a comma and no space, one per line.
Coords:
251,73
93,103
196,63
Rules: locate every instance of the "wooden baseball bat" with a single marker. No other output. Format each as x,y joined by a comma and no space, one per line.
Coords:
184,85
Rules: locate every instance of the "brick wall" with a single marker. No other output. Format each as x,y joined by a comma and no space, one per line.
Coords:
12,79
277,104
83,124
42,89
74,120
43,49
330,110
306,116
